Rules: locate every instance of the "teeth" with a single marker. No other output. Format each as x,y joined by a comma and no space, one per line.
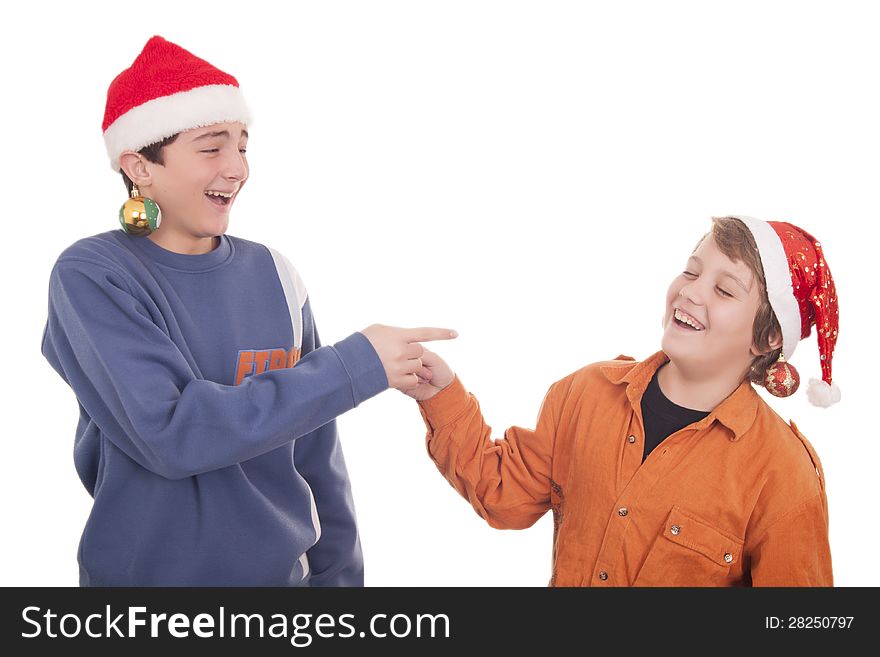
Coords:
682,317
223,194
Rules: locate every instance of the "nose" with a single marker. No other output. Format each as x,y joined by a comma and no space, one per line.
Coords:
693,292
235,166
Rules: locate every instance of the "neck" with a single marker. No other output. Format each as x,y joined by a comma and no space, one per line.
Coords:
699,392
183,243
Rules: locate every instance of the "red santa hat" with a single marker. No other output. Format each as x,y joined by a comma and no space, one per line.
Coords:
802,295
165,91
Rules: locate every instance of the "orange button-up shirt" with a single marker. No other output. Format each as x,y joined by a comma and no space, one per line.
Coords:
735,499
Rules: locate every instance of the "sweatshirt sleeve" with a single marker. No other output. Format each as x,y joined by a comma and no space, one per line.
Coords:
136,385
336,558
506,480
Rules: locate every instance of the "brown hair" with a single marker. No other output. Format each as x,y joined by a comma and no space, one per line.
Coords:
154,154
736,241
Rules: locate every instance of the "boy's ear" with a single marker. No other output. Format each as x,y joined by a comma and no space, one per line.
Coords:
774,340
135,168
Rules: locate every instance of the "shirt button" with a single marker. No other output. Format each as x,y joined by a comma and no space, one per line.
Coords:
728,557
675,529
631,440
622,511
603,575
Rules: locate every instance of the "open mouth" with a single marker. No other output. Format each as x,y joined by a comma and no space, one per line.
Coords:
220,198
684,320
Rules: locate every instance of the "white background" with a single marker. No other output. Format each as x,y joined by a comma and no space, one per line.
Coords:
531,174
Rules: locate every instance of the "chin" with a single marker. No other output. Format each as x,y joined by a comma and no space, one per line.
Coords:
671,350
688,356
669,344
213,227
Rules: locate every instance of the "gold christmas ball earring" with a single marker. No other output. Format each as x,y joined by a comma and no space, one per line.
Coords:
139,216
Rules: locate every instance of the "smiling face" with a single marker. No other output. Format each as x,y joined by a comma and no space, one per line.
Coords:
708,327
202,172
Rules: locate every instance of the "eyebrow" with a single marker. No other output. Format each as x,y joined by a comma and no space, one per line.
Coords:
723,273
220,133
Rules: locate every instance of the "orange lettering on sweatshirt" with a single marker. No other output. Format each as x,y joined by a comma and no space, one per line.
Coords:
256,361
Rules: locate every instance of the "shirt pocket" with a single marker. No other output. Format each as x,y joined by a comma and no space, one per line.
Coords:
690,551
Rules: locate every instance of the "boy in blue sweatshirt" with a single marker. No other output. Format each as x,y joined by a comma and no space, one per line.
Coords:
212,460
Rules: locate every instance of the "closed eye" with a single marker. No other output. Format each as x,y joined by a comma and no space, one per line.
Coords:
689,274
723,292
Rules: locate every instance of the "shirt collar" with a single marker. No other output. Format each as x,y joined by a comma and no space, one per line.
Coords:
737,412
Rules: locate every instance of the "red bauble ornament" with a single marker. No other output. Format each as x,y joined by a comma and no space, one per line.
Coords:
782,379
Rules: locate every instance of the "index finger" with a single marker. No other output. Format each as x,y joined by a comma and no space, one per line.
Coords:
428,334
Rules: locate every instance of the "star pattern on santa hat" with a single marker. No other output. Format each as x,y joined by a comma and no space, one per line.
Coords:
813,288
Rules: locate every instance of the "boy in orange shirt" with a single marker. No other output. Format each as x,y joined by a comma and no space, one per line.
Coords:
671,471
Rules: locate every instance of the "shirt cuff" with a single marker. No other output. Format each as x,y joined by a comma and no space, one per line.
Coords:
445,406
364,368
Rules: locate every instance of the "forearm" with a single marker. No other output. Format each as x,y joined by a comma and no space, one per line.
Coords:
505,480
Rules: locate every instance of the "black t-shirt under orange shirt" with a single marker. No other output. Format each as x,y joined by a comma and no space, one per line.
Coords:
662,417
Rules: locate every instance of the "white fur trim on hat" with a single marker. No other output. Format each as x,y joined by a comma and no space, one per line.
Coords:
162,117
778,277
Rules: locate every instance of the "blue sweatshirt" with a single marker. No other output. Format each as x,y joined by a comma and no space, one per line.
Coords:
206,433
